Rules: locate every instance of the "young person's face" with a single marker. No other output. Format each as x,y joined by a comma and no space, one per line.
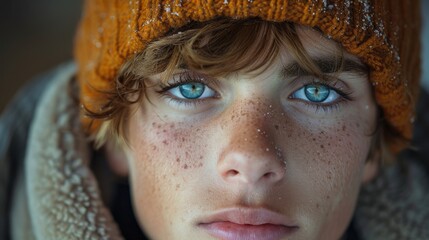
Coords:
277,155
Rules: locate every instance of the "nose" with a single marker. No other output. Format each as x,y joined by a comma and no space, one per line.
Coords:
251,158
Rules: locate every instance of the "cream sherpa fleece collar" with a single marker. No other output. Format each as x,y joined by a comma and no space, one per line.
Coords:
64,199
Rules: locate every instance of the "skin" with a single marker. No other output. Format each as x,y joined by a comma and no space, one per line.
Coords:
253,145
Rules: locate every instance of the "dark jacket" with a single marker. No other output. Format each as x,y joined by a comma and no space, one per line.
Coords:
50,185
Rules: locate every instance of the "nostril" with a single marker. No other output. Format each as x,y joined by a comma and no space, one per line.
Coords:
268,175
248,168
232,173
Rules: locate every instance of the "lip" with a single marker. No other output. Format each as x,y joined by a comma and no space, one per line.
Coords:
248,223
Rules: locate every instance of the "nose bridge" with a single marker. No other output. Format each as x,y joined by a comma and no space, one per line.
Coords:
251,154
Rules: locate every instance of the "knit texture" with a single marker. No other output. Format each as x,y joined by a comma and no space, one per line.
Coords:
383,33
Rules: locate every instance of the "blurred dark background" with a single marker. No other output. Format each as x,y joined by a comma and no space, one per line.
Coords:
425,42
35,36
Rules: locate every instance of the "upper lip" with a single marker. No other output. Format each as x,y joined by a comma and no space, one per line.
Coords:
248,216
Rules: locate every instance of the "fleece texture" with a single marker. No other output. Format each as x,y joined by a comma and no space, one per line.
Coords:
63,197
395,205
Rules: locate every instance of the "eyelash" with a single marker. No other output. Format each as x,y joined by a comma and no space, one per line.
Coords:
330,83
183,78
187,77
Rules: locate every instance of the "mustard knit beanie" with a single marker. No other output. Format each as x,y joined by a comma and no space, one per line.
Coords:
383,33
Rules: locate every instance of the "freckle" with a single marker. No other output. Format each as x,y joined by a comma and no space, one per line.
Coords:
178,160
164,130
317,206
328,197
200,165
153,147
163,176
314,139
165,142
177,186
277,127
344,128
201,157
321,146
185,166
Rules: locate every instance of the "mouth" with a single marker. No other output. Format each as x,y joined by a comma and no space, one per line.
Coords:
249,224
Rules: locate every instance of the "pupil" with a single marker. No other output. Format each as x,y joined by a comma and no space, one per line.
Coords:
317,93
192,90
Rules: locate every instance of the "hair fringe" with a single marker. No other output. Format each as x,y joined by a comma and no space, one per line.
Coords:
217,48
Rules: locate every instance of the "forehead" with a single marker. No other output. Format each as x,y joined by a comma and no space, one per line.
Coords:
317,54
318,45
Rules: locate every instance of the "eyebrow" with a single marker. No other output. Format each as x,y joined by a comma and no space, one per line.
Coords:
326,66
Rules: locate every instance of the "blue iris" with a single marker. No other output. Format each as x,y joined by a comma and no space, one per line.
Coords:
317,93
192,90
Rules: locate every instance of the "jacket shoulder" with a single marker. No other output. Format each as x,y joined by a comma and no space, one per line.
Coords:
15,122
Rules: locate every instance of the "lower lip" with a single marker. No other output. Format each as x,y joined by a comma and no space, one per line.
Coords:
233,231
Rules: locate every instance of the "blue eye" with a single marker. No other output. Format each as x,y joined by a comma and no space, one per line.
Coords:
192,90
316,93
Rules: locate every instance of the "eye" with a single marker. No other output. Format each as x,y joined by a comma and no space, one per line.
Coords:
317,93
191,90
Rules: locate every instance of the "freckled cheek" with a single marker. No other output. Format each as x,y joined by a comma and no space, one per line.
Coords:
354,144
166,158
332,156
328,162
166,162
180,146
168,155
